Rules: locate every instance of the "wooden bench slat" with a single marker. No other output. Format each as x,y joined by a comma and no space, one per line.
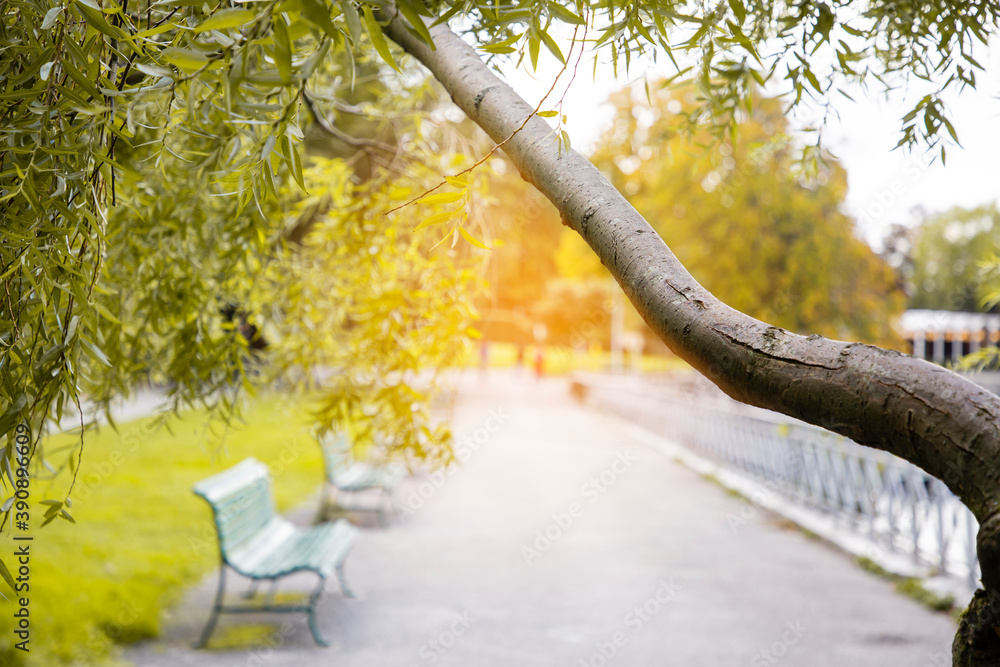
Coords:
272,537
345,474
319,549
362,476
232,480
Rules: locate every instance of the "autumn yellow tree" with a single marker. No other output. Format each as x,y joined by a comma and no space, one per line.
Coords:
750,224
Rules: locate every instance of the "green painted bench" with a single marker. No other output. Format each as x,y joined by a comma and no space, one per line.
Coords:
258,543
346,475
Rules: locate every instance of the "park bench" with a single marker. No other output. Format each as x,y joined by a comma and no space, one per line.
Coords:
352,477
258,543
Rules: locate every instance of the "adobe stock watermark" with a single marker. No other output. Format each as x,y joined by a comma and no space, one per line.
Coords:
99,472
590,491
20,560
432,650
259,655
762,496
772,655
883,200
100,642
751,506
465,449
593,321
937,660
634,621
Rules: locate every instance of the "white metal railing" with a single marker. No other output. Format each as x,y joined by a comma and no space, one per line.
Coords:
898,506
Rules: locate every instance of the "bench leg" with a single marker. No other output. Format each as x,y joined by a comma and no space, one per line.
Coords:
327,502
314,599
252,591
342,580
216,608
381,507
269,600
386,506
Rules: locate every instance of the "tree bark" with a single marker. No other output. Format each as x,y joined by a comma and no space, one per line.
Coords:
923,413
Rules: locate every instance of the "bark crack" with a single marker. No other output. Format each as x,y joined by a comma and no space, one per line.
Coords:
769,355
585,219
934,408
480,96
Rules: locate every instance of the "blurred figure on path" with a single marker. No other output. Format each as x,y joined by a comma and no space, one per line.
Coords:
540,332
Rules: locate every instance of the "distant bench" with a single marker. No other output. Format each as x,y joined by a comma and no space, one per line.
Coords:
258,543
353,477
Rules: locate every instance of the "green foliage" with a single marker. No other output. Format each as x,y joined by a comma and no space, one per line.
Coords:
460,193
951,257
86,90
989,272
142,536
167,245
81,88
365,302
763,236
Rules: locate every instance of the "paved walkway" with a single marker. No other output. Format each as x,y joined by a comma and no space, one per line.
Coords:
564,541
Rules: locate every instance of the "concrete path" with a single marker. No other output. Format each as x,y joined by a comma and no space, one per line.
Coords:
564,541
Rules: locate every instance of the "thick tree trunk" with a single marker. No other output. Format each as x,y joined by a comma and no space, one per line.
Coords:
923,413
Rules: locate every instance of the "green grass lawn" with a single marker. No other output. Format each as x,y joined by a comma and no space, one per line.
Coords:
142,537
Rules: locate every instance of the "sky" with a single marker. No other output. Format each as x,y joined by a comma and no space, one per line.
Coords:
884,185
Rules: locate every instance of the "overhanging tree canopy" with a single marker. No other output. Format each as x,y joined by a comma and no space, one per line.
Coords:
77,76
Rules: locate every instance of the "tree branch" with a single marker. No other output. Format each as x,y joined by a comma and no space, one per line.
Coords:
923,413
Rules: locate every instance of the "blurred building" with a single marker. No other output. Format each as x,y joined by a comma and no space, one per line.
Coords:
943,336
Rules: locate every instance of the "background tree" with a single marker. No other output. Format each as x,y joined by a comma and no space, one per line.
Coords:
521,264
988,357
749,225
753,214
950,257
897,251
